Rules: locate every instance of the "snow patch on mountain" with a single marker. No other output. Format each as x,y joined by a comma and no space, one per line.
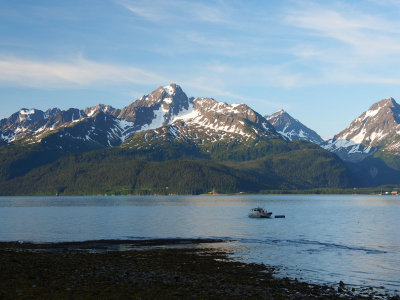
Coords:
196,116
359,137
168,100
92,112
124,129
169,89
372,113
173,131
348,150
186,114
27,111
264,126
158,121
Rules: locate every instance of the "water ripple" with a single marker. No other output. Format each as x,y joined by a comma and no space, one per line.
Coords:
302,242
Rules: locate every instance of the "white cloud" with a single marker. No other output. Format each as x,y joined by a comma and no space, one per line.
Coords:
366,34
79,72
345,43
209,13
177,10
204,86
151,13
263,75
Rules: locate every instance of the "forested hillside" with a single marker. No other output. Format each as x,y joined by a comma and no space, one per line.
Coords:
177,169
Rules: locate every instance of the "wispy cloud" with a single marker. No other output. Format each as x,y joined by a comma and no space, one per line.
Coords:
266,75
207,87
366,34
209,13
158,11
78,72
151,13
345,43
81,73
389,3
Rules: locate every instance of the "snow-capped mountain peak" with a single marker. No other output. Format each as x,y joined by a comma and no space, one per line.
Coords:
167,106
164,94
25,111
222,119
369,132
167,101
30,114
170,89
107,109
280,112
292,128
374,125
207,121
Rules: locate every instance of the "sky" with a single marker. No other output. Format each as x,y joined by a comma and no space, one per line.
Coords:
324,62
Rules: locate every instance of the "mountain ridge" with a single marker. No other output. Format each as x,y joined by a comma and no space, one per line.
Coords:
376,129
271,151
227,147
164,106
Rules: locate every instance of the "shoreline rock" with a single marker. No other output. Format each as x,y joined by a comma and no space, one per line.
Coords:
71,271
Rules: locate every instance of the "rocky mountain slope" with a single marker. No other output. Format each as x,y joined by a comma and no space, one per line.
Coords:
164,139
167,113
94,125
377,129
292,128
200,119
165,125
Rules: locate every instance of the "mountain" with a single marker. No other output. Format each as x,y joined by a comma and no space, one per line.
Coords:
370,145
376,132
201,120
292,128
157,108
377,129
224,131
90,124
164,139
99,126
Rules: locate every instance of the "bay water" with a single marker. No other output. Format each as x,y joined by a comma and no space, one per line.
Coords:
322,239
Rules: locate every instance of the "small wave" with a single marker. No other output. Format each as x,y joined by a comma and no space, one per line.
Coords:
301,242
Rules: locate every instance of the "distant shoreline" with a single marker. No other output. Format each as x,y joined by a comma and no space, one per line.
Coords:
93,269
349,192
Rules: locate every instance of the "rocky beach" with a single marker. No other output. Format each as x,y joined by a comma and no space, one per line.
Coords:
149,269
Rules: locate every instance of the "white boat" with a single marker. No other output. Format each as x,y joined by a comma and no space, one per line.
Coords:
259,212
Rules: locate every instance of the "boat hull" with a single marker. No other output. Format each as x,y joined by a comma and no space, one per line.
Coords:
260,215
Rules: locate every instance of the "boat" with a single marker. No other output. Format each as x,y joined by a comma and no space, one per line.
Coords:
259,212
279,216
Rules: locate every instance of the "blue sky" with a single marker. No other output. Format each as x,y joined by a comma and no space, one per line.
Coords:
324,62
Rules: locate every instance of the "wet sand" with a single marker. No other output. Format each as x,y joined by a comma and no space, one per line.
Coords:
149,269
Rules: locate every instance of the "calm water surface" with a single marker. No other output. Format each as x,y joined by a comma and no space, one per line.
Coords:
322,239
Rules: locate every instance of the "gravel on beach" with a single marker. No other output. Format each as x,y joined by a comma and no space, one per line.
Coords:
65,271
